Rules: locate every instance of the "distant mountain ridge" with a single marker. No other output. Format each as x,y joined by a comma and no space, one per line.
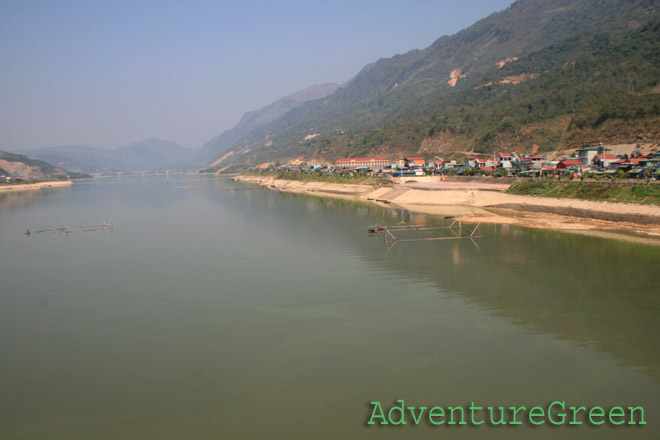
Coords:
150,154
395,103
15,166
258,118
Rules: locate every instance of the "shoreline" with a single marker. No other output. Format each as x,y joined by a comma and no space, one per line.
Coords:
36,185
480,204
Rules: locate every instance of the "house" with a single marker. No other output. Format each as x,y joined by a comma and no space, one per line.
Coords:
414,162
363,162
653,159
631,161
530,162
586,155
569,163
506,160
604,160
481,163
444,164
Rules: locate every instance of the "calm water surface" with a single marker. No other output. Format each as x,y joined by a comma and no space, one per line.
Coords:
216,312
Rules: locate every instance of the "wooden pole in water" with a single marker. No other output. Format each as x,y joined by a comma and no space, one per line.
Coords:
391,235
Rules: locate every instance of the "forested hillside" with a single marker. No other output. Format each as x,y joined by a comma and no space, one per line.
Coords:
541,75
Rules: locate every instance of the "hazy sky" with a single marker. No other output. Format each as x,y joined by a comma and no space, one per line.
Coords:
109,73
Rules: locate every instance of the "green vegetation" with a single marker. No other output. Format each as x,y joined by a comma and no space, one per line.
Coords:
77,175
316,176
587,88
584,73
589,81
642,193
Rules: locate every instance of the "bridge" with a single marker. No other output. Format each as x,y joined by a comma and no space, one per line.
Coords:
120,174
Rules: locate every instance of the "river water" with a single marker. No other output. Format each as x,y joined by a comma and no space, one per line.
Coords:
215,310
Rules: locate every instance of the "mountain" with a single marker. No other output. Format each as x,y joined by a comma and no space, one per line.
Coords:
400,103
19,166
76,158
150,154
587,88
258,118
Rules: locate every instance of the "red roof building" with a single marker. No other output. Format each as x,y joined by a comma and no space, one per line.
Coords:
563,164
414,161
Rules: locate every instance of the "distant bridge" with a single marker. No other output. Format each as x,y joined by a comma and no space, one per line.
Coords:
144,173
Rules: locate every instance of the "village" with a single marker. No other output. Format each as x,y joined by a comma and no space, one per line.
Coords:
589,162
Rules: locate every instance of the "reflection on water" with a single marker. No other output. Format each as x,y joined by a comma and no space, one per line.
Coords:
213,311
583,289
15,199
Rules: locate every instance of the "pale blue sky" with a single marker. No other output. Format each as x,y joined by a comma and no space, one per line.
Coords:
109,73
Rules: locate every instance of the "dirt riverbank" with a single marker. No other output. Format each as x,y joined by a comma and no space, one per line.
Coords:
480,202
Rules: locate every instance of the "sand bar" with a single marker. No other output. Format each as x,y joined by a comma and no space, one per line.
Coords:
37,185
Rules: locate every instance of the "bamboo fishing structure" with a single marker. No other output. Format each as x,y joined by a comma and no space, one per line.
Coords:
67,230
386,233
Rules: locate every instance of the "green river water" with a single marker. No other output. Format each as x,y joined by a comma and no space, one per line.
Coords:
215,310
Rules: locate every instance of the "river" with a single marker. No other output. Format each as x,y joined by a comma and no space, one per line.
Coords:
217,310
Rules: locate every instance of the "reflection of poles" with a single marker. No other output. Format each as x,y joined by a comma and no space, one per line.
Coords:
388,247
385,232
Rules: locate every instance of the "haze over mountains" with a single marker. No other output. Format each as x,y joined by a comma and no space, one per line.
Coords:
150,154
503,81
258,118
158,154
541,75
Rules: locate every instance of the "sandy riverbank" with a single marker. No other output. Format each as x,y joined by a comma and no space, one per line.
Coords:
308,186
480,203
37,185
